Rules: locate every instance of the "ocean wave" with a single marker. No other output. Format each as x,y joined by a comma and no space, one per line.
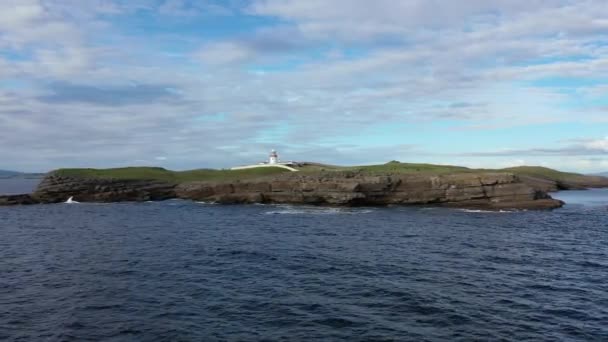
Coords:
295,210
331,273
502,211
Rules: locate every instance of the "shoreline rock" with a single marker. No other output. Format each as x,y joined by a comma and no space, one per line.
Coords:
552,185
493,191
471,190
56,189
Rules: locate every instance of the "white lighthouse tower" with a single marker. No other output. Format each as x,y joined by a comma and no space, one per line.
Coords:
274,157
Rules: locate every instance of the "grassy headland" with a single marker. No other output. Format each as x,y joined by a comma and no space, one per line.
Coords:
158,173
390,167
394,167
543,172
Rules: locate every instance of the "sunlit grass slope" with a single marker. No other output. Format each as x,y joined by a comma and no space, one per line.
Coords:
390,167
542,172
158,173
393,167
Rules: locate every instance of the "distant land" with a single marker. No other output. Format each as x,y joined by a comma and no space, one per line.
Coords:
6,173
17,174
603,174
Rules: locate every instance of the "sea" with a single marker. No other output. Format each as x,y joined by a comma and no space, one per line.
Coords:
186,271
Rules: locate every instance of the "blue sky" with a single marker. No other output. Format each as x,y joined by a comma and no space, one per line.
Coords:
209,83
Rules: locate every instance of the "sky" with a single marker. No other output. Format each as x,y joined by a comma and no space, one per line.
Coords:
194,84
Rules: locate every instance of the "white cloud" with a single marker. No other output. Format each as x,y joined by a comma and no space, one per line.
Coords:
600,144
17,13
59,63
330,72
365,19
224,53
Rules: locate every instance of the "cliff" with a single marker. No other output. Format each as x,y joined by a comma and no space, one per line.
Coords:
390,184
549,180
472,190
56,188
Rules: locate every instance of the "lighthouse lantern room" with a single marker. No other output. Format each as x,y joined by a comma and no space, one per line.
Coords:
274,157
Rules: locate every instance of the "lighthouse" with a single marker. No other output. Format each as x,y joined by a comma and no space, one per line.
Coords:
274,157
273,161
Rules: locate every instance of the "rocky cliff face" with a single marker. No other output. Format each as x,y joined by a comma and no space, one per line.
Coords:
540,184
572,183
470,190
485,190
583,182
55,189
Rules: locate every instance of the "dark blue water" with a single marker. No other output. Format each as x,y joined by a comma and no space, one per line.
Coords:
182,271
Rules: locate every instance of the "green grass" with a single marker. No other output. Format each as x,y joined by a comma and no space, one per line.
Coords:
542,172
390,167
394,167
397,167
316,167
158,173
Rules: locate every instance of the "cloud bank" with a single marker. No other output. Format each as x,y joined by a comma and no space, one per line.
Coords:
187,84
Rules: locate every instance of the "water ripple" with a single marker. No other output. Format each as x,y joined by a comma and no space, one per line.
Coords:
190,272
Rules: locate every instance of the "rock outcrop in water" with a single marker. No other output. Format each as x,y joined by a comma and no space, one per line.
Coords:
489,190
471,190
55,189
572,183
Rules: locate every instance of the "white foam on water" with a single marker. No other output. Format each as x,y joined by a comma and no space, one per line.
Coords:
71,201
488,211
297,210
206,203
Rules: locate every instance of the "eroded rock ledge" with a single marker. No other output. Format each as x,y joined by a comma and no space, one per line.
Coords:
486,190
55,189
468,190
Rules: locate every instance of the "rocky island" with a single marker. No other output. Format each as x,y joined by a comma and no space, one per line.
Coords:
393,183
